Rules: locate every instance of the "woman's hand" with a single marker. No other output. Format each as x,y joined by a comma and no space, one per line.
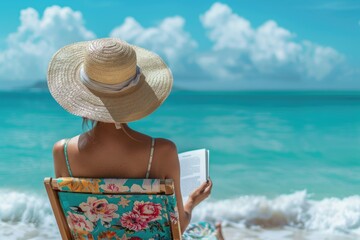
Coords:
199,195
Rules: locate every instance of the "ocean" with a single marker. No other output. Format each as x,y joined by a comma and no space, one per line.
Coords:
285,161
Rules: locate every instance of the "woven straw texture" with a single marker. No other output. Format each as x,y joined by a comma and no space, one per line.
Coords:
109,61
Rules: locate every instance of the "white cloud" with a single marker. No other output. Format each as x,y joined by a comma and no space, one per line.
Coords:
266,52
168,38
241,55
30,48
224,23
318,61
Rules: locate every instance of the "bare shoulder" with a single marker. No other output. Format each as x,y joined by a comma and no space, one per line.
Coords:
167,156
166,146
58,148
59,157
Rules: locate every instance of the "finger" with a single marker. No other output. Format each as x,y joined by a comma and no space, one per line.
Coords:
209,184
209,187
200,189
203,186
207,191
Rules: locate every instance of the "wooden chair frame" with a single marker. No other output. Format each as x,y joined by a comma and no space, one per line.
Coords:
166,188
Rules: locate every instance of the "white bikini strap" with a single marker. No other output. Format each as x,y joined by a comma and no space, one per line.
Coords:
151,157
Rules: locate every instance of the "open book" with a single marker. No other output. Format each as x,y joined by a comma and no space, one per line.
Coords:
194,170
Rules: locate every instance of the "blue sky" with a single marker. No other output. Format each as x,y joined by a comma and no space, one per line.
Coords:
208,44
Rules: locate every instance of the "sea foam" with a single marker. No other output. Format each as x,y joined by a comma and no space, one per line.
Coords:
294,210
29,216
26,216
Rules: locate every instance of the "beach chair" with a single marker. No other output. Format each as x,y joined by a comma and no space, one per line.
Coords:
96,209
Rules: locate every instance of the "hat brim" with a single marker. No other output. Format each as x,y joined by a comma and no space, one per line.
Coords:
126,106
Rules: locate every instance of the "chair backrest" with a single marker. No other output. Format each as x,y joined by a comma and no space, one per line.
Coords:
104,208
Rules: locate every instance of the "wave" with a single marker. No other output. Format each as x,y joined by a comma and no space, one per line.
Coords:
293,210
27,216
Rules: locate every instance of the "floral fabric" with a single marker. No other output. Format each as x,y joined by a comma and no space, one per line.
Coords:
141,214
135,217
200,230
107,185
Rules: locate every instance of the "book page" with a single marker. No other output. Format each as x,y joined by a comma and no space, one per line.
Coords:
194,170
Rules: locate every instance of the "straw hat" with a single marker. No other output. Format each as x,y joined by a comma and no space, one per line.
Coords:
108,80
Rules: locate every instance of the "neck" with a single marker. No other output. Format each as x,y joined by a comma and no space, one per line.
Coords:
109,129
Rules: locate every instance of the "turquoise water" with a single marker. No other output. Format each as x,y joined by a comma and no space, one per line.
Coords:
287,160
261,143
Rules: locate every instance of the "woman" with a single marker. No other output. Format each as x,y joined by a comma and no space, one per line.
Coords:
112,83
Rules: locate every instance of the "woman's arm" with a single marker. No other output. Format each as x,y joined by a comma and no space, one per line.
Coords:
201,193
173,170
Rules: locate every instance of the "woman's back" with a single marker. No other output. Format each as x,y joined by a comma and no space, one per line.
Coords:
106,152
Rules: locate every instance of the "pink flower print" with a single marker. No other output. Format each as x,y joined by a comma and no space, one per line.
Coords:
173,218
115,185
147,210
133,221
79,222
95,209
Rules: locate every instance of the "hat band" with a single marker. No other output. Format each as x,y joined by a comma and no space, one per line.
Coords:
109,88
